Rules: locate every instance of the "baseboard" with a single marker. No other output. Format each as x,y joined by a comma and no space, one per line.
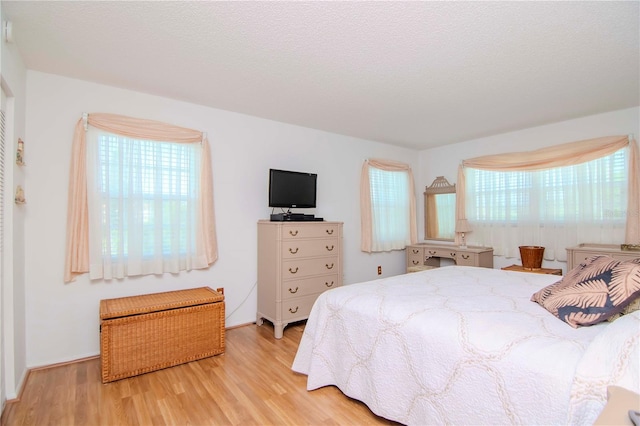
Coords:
9,402
239,325
60,364
20,388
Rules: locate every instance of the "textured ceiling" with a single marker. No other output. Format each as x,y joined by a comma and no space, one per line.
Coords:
414,74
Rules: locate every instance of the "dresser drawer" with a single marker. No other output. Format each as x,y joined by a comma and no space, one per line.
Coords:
626,255
304,287
580,256
297,308
302,230
577,255
292,249
439,252
466,259
307,267
415,259
415,256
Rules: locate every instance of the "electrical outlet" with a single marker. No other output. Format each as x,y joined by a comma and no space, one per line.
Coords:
379,270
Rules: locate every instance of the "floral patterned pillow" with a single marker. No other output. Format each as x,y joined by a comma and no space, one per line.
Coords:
592,292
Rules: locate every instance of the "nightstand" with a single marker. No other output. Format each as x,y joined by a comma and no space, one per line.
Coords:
520,268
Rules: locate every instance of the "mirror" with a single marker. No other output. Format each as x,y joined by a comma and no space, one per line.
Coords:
440,210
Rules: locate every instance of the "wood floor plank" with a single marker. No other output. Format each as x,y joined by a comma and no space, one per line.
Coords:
250,384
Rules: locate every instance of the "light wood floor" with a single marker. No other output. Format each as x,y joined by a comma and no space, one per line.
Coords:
252,383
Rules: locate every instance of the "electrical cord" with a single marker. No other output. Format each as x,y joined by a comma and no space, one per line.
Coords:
242,303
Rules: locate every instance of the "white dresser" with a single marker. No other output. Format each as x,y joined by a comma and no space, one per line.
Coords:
296,262
429,255
578,254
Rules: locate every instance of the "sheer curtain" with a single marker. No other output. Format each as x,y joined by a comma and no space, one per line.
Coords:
585,191
81,255
387,206
143,206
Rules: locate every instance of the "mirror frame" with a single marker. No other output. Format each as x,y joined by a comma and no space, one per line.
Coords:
440,185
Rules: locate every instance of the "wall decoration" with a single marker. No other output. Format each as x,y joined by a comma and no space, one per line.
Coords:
20,196
20,153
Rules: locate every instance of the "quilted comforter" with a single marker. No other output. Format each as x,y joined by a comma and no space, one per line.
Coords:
464,345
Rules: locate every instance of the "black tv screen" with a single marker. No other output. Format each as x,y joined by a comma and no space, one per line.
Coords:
292,189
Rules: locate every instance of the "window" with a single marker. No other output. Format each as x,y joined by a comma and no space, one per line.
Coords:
556,207
140,199
143,208
388,206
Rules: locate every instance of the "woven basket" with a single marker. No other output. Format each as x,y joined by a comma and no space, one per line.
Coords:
531,257
140,334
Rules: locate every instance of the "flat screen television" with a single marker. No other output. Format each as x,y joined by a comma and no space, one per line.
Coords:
292,189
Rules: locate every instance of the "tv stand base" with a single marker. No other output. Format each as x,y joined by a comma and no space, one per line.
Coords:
294,217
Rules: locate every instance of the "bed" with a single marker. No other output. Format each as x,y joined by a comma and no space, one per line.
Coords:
465,345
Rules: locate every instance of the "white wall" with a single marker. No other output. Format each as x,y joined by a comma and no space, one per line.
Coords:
444,160
12,289
62,319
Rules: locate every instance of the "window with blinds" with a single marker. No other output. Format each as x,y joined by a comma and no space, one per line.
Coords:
143,205
390,204
591,192
161,180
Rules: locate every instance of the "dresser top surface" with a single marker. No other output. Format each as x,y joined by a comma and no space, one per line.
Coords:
451,247
298,222
613,248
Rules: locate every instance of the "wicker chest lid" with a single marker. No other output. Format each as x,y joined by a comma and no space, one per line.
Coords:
143,304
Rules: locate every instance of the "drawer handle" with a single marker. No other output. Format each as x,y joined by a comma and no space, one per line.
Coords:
465,256
293,272
293,233
415,251
432,252
329,285
329,248
415,262
452,254
330,231
293,252
328,267
292,311
293,291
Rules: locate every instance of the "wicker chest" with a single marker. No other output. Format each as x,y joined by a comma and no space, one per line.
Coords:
145,333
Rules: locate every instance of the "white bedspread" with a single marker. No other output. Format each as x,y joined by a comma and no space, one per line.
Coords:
464,345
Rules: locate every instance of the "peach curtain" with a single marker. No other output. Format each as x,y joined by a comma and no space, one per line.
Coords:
559,156
77,250
366,222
